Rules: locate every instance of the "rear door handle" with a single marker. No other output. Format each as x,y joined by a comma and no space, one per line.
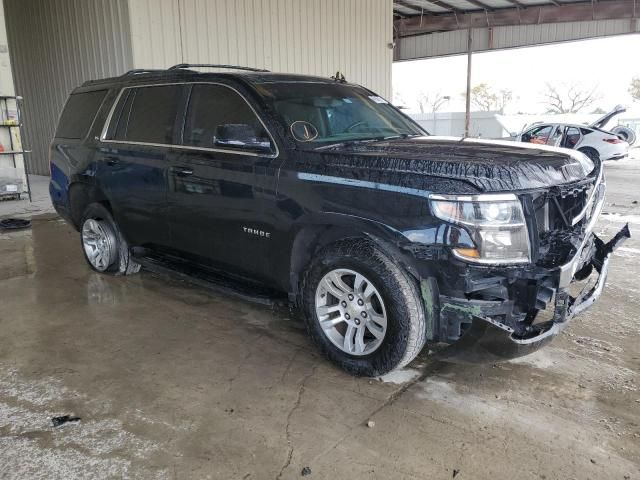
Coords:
111,161
182,171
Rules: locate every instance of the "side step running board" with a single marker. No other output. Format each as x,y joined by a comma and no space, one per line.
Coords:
211,280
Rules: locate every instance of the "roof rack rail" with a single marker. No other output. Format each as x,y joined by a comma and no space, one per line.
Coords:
181,66
138,71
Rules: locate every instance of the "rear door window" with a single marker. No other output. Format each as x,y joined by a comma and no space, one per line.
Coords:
571,138
211,106
147,114
79,113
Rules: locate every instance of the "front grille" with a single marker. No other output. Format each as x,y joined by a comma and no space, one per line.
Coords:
562,216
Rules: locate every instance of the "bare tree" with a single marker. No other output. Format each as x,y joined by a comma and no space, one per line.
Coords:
569,98
432,102
634,88
483,97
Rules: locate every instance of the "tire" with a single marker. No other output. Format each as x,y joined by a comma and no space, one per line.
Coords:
626,134
116,259
591,153
400,303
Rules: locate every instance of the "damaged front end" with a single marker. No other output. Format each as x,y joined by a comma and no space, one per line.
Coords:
495,312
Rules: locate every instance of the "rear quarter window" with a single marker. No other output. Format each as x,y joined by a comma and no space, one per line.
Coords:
78,114
146,114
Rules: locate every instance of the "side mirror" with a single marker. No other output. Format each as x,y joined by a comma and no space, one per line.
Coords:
526,137
241,136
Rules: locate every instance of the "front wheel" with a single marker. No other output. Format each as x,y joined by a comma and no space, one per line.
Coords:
103,245
363,310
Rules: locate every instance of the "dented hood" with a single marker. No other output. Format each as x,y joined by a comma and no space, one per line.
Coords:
490,165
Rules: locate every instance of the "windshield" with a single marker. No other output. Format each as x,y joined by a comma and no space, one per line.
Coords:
317,113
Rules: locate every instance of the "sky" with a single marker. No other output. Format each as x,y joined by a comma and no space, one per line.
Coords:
608,64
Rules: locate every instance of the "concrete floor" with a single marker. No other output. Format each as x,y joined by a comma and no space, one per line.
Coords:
175,381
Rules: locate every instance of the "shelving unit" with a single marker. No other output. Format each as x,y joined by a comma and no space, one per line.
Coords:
12,121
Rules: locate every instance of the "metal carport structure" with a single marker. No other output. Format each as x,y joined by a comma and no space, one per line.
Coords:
434,28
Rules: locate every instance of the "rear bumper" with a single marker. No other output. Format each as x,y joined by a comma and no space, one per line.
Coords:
488,339
617,157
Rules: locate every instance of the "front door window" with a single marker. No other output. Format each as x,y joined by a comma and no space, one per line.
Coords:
538,135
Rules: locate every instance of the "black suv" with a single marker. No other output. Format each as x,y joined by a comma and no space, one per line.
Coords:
384,236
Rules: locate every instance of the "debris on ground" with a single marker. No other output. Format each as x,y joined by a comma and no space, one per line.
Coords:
14,223
371,424
455,473
57,421
305,471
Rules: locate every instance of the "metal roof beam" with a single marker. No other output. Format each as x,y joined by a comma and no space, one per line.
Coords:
420,10
409,6
439,3
480,5
518,4
573,12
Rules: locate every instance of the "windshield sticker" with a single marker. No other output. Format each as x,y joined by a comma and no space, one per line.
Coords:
377,99
347,100
304,131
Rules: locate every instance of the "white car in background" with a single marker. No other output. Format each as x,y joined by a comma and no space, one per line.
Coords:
591,140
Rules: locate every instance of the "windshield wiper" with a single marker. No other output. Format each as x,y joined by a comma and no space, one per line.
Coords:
401,135
365,140
345,142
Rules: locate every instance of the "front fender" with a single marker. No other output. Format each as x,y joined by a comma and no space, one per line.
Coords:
313,232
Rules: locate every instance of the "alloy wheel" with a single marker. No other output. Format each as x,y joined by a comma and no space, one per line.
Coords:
99,243
351,311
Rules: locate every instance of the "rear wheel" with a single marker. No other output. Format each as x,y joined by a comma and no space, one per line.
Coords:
103,245
591,153
363,310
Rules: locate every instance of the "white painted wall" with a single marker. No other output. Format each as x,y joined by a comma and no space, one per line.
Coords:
483,124
316,37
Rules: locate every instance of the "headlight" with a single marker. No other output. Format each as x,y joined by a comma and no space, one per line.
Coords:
494,222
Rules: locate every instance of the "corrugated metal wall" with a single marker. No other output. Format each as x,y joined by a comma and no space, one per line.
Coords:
56,45
452,43
315,37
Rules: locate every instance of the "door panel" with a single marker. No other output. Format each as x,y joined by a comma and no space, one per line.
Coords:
216,206
133,162
221,186
134,179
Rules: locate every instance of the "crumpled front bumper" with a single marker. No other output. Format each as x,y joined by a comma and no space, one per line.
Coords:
489,340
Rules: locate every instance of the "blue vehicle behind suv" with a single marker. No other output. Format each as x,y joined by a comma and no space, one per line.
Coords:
384,236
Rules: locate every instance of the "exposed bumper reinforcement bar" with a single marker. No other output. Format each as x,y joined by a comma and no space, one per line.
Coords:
488,340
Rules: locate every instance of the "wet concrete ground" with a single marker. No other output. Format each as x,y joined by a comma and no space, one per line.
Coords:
176,381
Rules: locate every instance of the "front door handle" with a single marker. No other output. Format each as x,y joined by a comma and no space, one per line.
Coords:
182,171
